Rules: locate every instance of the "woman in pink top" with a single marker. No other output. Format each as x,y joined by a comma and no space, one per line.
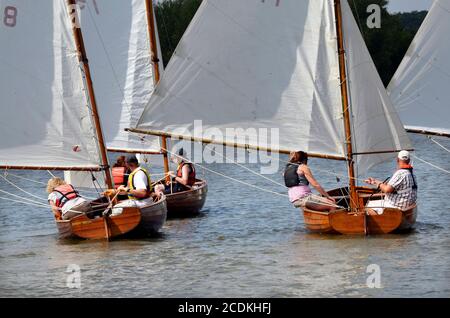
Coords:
298,177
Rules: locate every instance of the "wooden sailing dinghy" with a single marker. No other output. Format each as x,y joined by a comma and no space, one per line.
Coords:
132,221
339,222
298,67
124,44
187,203
48,90
420,87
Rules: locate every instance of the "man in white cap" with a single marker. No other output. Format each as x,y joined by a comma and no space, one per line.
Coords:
401,190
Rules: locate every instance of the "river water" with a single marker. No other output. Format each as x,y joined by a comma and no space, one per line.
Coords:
246,243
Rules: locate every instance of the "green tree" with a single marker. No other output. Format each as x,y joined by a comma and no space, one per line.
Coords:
412,21
173,17
388,44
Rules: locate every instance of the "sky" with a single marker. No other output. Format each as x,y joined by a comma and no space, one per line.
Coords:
409,5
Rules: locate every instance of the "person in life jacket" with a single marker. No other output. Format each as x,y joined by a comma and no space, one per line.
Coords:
181,180
120,173
139,186
184,178
298,178
65,201
401,190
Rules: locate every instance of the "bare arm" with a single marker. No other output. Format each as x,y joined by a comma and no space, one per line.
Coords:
385,188
308,174
55,210
185,176
138,193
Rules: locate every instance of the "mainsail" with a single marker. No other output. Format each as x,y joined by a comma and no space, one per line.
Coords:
274,64
46,120
117,41
420,87
255,64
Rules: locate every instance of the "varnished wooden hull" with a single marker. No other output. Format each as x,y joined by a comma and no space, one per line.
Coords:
318,222
343,222
152,218
187,203
148,220
86,228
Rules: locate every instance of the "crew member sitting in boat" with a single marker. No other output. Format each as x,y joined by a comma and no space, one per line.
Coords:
298,177
120,172
138,190
65,201
401,190
181,180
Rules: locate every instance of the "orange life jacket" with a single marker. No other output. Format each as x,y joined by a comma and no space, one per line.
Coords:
191,177
407,166
65,193
118,174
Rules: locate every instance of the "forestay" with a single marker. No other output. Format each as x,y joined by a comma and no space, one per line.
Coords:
45,117
420,87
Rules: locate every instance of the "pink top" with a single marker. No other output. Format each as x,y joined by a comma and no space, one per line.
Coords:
298,192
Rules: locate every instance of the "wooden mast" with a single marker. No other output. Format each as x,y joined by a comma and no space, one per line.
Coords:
345,104
82,56
156,71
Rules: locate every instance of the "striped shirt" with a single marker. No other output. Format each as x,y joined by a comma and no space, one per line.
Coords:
405,194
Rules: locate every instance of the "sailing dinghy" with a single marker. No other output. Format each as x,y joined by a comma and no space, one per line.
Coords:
50,119
124,51
300,67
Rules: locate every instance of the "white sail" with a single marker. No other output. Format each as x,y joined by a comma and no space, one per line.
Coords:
274,64
255,64
375,123
45,119
117,43
420,89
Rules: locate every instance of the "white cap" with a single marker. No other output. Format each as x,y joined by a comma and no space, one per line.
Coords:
403,155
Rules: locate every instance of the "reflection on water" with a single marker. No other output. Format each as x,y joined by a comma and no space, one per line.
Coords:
246,243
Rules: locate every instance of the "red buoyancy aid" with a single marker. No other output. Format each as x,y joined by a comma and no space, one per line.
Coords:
66,192
191,177
118,174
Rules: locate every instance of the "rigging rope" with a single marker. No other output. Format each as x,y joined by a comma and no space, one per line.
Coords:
27,203
23,190
432,165
51,174
44,183
240,181
439,144
246,168
21,198
225,176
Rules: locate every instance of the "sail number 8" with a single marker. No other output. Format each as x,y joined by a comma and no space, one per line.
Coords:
10,16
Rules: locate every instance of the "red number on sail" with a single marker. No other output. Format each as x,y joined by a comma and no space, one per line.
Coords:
10,18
